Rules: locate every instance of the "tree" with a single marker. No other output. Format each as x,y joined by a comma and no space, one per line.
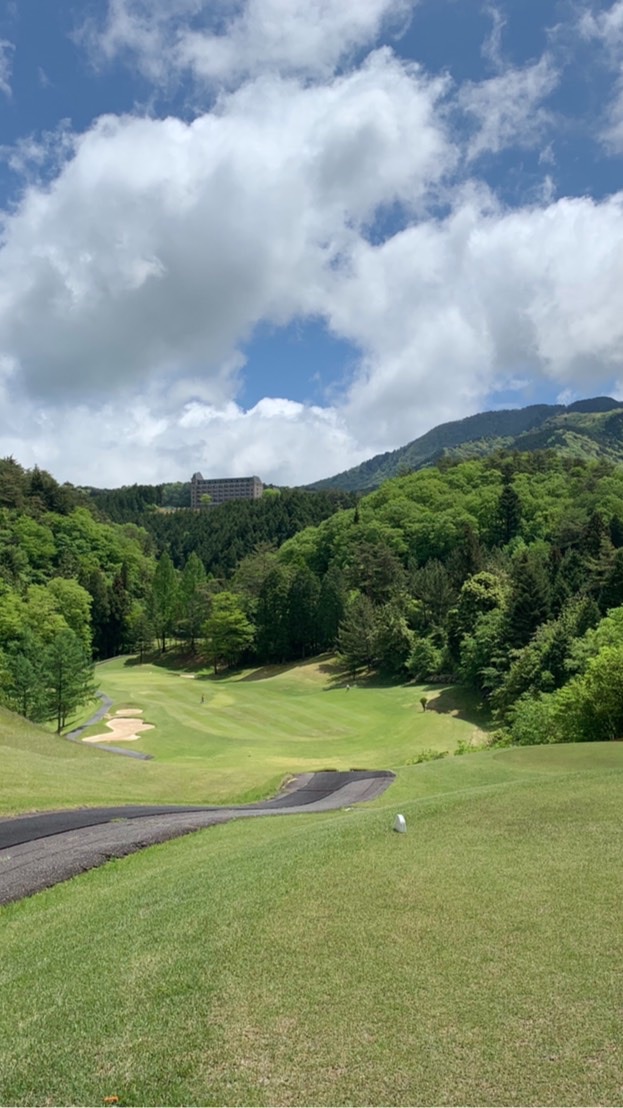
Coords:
73,602
433,587
273,625
68,675
331,604
509,509
140,630
23,678
484,592
193,598
529,603
465,560
425,659
303,596
393,640
164,599
611,595
374,570
357,634
227,630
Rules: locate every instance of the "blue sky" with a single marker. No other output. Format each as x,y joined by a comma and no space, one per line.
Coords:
279,236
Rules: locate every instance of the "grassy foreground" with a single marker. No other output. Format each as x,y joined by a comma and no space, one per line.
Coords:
237,743
326,960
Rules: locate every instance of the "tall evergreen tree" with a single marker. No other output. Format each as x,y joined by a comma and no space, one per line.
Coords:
272,618
193,598
164,599
529,603
331,606
23,677
509,509
303,596
68,676
357,635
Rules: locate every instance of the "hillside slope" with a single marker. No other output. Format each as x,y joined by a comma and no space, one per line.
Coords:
588,429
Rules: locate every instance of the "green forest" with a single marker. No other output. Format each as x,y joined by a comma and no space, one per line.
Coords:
504,574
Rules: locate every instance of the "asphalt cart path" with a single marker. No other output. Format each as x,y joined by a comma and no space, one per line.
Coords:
39,850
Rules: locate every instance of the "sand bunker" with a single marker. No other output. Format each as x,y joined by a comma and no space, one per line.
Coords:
124,726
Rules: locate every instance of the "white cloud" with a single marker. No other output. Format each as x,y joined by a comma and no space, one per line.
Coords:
606,27
132,281
161,244
227,42
6,66
144,438
508,108
455,309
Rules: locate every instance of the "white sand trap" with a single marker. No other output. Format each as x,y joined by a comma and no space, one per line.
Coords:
125,727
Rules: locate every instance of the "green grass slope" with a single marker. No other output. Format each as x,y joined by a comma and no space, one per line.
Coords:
227,739
327,960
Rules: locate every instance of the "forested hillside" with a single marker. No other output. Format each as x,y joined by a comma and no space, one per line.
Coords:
505,573
72,588
221,535
586,429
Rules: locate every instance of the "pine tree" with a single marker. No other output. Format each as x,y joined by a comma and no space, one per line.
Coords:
23,678
68,674
193,598
272,617
357,635
529,603
303,596
331,605
509,509
164,599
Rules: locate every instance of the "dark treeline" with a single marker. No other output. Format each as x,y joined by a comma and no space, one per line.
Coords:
127,504
221,536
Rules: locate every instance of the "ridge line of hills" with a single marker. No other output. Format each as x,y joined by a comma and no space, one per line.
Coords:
591,428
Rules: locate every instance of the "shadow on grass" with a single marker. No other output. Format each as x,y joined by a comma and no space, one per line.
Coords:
339,676
176,661
458,701
262,673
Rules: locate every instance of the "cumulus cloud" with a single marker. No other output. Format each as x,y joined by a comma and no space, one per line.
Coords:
146,438
456,308
134,275
228,42
161,244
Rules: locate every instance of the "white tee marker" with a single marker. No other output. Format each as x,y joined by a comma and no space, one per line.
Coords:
400,824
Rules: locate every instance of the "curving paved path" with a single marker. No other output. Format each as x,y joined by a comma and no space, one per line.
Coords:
40,850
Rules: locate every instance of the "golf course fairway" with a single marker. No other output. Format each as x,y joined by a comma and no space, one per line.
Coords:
227,740
324,959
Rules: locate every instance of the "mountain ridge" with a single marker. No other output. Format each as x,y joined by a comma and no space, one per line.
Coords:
592,427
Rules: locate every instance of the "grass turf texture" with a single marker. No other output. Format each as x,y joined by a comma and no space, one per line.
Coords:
251,731
326,960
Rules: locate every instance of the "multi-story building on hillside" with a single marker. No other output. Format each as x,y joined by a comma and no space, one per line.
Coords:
220,489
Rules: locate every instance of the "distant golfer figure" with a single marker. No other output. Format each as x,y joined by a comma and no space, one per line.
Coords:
202,698
348,688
